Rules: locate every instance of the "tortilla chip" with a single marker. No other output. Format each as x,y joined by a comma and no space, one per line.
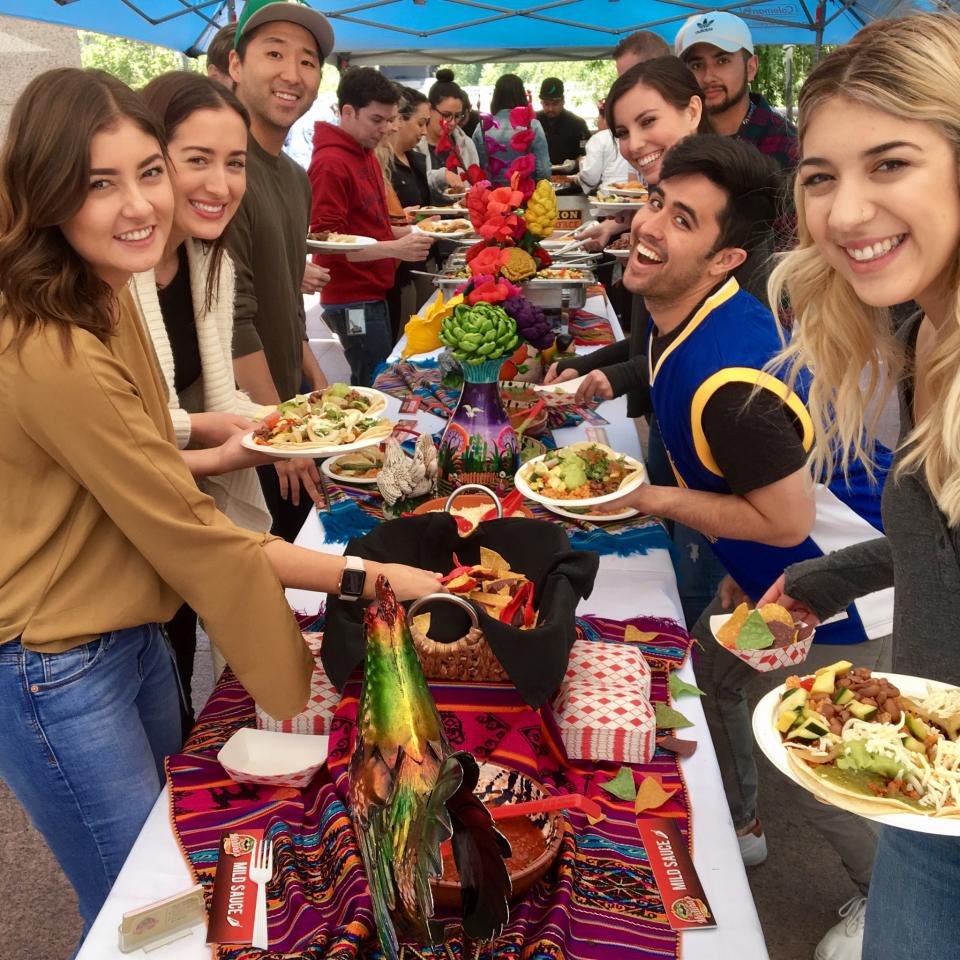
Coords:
422,623
754,634
650,795
492,560
774,612
727,634
498,601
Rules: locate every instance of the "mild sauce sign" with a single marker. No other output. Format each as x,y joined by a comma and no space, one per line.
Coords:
684,901
234,900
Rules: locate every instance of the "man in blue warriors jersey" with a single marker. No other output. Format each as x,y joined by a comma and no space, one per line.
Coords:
737,437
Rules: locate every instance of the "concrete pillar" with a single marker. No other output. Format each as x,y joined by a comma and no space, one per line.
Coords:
28,48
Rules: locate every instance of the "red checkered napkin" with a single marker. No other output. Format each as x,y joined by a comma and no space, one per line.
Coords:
606,666
606,724
323,702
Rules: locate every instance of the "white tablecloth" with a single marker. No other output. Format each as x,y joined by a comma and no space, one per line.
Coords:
625,587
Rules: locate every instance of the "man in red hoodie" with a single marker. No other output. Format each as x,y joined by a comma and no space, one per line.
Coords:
349,196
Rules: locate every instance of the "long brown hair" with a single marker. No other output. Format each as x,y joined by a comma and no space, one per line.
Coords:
174,97
669,76
44,181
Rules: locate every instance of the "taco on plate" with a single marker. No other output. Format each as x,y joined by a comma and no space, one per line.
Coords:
853,739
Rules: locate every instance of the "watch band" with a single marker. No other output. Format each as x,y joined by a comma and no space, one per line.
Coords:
353,577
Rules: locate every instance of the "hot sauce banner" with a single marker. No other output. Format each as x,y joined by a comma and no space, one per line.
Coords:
683,897
234,893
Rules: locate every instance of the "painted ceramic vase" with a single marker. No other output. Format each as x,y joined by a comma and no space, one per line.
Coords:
479,445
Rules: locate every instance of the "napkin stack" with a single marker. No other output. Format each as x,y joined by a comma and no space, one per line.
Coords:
323,702
603,708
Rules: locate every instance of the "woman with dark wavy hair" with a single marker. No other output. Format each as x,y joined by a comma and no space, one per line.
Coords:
104,530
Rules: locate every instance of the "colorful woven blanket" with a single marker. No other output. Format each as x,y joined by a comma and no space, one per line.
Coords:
598,902
590,329
352,510
422,379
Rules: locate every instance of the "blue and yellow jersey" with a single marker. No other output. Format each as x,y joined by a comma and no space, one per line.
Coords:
730,339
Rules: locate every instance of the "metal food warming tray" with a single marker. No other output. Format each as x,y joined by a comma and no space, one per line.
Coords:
547,294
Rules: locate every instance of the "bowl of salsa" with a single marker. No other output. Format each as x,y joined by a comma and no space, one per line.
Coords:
534,840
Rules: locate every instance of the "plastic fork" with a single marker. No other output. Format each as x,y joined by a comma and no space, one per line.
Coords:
261,870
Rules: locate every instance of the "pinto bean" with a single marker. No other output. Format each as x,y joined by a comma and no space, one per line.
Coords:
868,700
893,708
827,709
881,697
870,689
835,725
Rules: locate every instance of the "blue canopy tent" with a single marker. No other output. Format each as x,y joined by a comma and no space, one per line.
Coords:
431,31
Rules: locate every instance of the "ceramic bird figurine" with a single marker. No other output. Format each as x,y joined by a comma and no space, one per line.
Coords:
404,478
409,792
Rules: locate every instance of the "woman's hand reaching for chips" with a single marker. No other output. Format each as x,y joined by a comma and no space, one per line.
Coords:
408,583
801,612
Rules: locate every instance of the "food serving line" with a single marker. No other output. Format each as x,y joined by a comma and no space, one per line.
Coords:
625,587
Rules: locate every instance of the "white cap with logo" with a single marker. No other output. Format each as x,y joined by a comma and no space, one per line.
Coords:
720,29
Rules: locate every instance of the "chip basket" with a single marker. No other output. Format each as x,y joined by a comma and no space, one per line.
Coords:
469,658
466,643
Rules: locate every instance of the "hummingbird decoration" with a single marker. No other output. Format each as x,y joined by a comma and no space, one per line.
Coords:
410,792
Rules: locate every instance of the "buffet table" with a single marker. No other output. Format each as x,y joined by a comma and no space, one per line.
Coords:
626,586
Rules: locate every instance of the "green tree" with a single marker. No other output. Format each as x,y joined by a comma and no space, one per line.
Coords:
131,61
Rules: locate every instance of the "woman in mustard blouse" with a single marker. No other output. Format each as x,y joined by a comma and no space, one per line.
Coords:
104,530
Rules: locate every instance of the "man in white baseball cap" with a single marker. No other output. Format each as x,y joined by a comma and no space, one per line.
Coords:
718,48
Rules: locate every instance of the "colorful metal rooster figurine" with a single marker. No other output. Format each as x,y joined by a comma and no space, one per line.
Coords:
410,792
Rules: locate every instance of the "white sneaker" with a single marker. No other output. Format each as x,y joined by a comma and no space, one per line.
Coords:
753,845
844,941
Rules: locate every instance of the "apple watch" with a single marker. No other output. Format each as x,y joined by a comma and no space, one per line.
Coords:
352,578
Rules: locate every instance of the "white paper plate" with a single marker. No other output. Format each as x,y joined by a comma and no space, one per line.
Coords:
525,489
269,756
621,253
315,453
454,211
326,468
568,387
768,739
592,517
606,207
636,188
336,246
453,235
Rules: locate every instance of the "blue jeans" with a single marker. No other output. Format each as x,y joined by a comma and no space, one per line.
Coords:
913,897
84,738
365,351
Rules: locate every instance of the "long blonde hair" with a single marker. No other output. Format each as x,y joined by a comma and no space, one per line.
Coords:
909,68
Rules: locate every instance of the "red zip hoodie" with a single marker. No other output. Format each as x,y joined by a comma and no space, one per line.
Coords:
349,197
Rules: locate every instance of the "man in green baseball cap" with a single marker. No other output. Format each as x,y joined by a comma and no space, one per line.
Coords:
276,66
566,133
258,12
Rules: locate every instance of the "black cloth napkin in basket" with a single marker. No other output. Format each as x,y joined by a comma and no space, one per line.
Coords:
535,660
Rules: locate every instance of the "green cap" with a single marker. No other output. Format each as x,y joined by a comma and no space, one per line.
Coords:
551,89
257,12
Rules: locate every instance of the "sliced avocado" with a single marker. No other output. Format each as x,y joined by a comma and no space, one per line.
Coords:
842,696
824,683
857,757
917,727
572,473
862,711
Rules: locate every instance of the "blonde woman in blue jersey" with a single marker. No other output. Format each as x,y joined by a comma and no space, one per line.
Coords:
738,439
878,199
